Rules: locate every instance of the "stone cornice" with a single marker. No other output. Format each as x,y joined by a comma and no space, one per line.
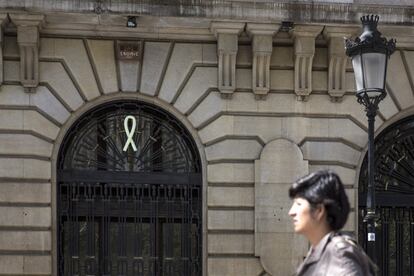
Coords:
27,20
341,31
181,28
306,30
262,29
282,10
227,27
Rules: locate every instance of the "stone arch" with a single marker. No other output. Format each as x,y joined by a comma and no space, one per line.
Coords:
81,111
279,248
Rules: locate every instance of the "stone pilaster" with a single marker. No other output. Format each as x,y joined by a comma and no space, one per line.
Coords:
28,27
262,41
304,47
337,60
227,45
3,20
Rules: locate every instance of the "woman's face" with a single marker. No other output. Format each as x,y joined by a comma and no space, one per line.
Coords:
303,218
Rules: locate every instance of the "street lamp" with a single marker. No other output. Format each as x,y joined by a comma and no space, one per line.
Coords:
370,53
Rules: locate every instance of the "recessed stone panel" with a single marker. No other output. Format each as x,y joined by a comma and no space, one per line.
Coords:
25,216
234,149
231,173
40,265
202,79
290,251
244,55
331,151
234,266
11,119
11,49
271,216
222,126
155,57
230,196
103,55
282,57
409,61
350,82
281,162
36,122
24,168
243,79
183,58
55,75
244,102
347,175
320,59
11,265
49,104
398,81
25,192
231,243
210,53
387,107
24,144
11,70
25,240
282,80
351,222
13,95
73,52
230,219
212,105
320,81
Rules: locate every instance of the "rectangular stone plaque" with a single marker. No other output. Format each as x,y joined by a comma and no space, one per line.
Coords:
128,50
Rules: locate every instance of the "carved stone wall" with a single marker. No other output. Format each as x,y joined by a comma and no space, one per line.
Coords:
252,146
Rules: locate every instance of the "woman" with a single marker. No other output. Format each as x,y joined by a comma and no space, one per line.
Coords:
320,209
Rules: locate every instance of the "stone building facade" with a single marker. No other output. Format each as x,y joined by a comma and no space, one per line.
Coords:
264,101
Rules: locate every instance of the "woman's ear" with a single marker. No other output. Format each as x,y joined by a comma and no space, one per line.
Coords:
320,212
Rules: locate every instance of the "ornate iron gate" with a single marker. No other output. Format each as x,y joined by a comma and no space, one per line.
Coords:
394,180
129,195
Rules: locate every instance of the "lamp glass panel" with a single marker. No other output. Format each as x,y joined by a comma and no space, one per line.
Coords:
374,72
357,65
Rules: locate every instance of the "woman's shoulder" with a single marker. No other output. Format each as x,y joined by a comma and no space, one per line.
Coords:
346,253
344,246
341,242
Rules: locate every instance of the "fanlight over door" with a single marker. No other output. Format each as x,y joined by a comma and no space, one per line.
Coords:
129,194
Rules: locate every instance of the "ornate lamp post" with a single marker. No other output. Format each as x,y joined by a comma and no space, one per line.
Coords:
370,53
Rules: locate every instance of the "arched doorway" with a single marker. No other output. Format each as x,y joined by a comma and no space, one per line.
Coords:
129,194
394,178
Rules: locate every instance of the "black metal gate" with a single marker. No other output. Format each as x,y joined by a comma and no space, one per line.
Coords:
129,195
394,180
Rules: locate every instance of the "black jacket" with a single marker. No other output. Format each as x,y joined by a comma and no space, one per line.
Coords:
336,255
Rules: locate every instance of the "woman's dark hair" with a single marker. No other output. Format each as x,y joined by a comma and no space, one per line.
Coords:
324,187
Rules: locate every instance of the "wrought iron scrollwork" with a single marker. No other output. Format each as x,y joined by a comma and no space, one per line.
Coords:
394,177
132,212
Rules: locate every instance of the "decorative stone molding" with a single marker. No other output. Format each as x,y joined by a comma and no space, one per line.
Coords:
304,40
281,162
28,27
262,35
3,20
227,45
337,60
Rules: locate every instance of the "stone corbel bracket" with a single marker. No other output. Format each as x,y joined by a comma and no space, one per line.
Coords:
3,21
304,47
28,27
227,45
262,47
337,59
